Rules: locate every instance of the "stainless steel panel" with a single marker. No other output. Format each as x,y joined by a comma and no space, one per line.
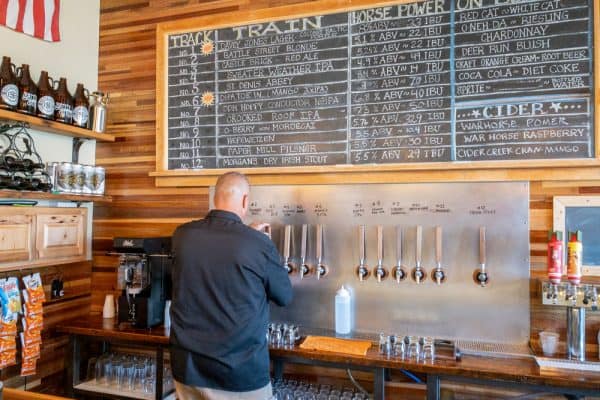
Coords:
458,308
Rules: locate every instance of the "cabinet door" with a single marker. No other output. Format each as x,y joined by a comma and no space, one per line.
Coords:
61,234
16,234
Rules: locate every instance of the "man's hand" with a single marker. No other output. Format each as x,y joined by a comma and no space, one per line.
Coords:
263,227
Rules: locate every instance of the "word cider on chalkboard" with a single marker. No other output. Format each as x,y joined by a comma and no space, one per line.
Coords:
431,81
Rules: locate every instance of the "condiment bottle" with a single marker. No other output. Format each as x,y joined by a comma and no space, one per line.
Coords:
45,97
29,92
9,91
555,256
574,260
342,311
63,103
80,107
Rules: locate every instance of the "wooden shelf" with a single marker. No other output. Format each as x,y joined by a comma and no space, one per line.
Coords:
21,194
55,127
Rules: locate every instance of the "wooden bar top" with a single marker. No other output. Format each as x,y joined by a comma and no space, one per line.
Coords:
512,369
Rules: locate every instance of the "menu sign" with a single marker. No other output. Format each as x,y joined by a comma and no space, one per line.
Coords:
439,80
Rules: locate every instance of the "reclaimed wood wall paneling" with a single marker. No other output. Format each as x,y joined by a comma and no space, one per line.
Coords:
127,71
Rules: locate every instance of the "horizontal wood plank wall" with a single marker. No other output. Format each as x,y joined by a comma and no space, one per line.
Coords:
127,71
76,303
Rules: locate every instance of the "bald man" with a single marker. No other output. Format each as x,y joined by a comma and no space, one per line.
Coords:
224,275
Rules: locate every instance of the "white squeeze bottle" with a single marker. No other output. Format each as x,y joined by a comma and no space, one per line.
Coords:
342,311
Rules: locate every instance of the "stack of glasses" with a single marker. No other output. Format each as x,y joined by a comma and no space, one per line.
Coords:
287,389
282,335
408,347
131,373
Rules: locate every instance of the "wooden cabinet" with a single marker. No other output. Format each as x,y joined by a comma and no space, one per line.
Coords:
61,233
37,236
16,236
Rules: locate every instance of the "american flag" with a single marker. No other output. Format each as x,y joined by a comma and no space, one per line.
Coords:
38,18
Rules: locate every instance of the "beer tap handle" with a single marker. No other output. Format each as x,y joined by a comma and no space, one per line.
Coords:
362,244
379,245
438,247
287,242
319,247
419,246
304,238
287,233
482,255
480,275
380,271
362,271
399,273
418,274
321,269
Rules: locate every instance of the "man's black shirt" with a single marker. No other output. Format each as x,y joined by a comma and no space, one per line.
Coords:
224,275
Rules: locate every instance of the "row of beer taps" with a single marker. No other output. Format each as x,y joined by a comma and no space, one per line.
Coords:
418,274
303,269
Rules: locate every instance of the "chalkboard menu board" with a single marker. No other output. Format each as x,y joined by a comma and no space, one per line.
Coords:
438,80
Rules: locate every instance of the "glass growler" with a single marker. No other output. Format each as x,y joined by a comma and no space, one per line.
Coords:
9,91
29,92
63,103
81,107
45,108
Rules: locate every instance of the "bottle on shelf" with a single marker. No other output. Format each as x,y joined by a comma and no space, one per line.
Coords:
555,256
28,92
81,107
9,91
574,257
45,107
63,103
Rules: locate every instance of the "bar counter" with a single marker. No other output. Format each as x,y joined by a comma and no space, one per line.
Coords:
517,372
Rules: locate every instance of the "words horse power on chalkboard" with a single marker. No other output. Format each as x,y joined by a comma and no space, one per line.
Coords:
431,81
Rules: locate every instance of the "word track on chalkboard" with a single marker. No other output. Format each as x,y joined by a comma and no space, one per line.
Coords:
439,80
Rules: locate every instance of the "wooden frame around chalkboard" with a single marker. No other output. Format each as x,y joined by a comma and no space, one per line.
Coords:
585,169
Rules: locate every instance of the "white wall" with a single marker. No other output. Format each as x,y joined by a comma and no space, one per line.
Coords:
75,57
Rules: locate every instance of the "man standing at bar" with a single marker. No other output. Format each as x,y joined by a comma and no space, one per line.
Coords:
224,275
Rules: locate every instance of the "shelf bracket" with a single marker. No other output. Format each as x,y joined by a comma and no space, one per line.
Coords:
77,142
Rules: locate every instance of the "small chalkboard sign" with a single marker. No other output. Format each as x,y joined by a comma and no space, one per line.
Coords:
429,81
573,213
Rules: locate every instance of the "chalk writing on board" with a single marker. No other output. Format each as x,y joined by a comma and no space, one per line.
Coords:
431,81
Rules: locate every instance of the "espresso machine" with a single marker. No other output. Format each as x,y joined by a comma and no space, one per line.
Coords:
144,279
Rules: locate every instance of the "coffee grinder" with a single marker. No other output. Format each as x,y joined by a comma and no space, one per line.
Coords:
144,279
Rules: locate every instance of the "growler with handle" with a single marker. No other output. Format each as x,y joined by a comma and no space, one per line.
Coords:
45,108
81,107
98,112
28,91
9,91
63,103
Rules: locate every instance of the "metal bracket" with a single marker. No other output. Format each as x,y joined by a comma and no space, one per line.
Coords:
77,142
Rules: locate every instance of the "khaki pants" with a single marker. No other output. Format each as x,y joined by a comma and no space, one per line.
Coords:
186,392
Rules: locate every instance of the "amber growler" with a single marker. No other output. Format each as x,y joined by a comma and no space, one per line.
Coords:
63,103
29,92
81,107
9,91
45,108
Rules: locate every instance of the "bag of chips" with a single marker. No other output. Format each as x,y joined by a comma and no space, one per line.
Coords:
28,367
11,306
35,288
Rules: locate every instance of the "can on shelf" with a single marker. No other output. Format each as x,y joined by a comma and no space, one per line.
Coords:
65,178
99,178
89,171
51,170
77,179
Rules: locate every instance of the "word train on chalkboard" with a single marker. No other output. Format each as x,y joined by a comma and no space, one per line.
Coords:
439,80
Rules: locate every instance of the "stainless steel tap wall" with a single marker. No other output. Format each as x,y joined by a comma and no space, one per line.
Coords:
456,309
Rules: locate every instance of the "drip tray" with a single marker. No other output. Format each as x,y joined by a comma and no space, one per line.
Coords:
556,364
477,348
